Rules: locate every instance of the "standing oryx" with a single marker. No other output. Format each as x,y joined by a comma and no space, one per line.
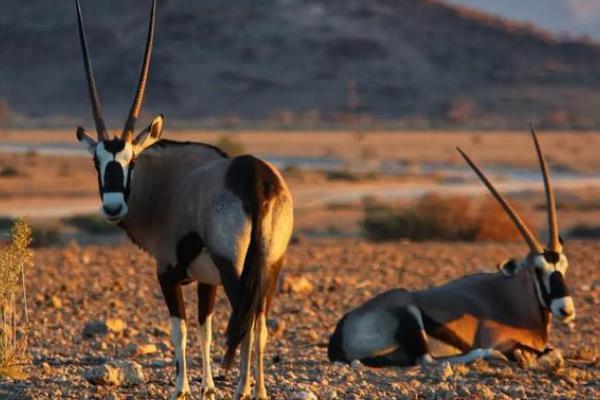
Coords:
476,316
204,217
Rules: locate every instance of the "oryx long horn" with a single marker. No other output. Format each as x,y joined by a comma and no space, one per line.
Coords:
139,93
533,243
94,98
554,244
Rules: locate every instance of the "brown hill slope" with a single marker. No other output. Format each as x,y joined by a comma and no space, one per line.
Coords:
411,59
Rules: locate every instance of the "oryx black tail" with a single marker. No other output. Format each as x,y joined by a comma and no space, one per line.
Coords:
256,184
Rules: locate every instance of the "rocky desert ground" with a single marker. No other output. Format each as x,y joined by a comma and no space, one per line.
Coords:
91,306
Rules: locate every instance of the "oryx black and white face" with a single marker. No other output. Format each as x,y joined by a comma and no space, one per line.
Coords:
550,269
114,158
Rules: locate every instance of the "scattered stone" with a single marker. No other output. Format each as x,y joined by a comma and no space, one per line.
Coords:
444,371
99,327
55,302
143,349
304,395
116,325
116,373
159,363
356,364
276,327
296,284
160,331
46,367
552,360
587,353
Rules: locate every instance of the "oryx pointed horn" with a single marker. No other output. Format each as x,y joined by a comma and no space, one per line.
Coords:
533,243
139,93
554,243
94,98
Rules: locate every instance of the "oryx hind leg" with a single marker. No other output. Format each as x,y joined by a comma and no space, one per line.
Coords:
242,392
170,283
206,304
260,333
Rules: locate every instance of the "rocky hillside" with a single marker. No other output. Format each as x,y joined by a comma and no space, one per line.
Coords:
415,61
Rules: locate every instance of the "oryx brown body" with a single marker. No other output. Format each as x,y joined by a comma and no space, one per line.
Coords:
480,315
205,217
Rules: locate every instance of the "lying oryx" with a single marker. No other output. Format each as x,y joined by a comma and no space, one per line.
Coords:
476,316
204,217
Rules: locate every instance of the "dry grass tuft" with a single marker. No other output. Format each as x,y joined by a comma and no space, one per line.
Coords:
14,260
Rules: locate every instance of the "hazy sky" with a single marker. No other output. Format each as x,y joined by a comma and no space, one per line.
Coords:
576,17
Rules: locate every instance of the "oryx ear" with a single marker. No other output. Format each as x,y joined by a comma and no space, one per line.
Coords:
508,267
149,135
86,140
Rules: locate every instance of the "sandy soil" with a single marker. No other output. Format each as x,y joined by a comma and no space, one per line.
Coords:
119,282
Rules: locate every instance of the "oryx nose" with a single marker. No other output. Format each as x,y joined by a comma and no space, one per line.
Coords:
112,209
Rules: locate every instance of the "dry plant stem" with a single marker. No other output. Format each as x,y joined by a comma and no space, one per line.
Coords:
14,316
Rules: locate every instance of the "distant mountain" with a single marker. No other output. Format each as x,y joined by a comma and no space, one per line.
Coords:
575,17
414,61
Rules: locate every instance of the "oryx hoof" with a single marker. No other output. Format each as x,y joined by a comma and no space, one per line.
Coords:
261,397
181,395
498,355
243,397
209,393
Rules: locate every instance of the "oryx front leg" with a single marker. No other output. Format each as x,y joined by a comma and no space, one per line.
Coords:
206,304
473,355
260,393
242,391
171,289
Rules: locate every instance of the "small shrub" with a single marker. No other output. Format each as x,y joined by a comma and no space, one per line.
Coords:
8,171
439,218
343,175
583,231
352,176
231,146
15,259
341,206
492,223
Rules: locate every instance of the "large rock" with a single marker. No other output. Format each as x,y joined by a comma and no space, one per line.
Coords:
116,373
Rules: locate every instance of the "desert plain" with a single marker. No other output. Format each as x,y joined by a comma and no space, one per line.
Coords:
82,275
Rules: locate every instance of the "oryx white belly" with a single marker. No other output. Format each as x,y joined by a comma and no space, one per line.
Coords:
369,335
202,269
